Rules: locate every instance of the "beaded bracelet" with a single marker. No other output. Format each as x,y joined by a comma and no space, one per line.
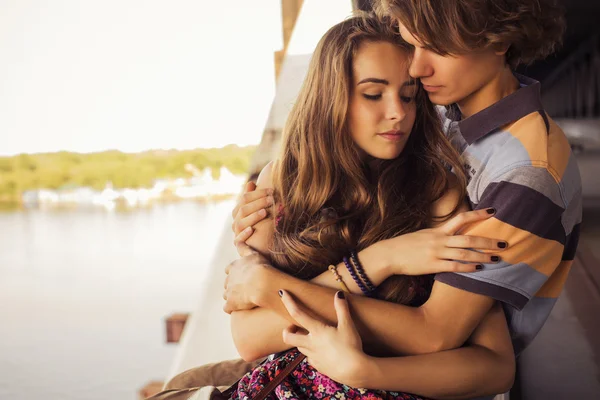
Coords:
361,272
338,278
358,281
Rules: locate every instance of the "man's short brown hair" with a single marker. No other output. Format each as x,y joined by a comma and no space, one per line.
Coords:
532,29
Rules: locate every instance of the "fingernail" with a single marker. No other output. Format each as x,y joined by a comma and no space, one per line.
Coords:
248,229
270,191
495,258
479,267
262,212
491,210
269,200
280,293
340,295
502,245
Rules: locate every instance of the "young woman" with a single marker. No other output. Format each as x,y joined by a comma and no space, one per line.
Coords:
364,160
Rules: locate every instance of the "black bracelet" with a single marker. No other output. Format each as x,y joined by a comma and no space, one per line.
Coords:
361,271
355,277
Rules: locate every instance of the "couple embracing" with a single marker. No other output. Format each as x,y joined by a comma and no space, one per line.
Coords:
419,224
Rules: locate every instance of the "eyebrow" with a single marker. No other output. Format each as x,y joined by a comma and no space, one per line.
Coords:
385,82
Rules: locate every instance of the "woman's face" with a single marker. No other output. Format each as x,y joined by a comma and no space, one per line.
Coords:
382,107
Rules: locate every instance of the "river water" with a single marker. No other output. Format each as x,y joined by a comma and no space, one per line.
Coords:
83,296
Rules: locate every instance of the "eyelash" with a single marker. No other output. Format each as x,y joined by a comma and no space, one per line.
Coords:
376,97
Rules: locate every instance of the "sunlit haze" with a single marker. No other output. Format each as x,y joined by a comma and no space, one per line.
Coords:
135,75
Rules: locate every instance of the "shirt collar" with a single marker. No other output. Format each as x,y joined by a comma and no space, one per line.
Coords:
511,108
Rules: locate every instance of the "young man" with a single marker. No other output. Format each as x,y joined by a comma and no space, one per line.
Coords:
518,162
517,159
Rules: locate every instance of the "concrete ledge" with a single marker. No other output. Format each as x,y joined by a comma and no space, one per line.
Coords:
563,362
206,337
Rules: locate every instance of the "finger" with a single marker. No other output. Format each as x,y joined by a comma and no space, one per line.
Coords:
228,268
299,313
226,282
461,220
342,310
455,266
249,187
227,308
294,338
243,236
249,221
257,207
476,242
468,256
254,201
243,249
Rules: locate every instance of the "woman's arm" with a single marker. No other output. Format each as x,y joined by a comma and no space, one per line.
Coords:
263,230
376,267
484,367
245,325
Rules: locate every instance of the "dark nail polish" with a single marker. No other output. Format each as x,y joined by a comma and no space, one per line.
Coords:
340,295
491,211
495,258
479,267
502,245
280,293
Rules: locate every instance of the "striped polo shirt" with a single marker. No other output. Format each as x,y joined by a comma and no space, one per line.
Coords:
520,162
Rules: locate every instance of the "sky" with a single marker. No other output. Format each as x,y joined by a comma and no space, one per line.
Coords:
134,75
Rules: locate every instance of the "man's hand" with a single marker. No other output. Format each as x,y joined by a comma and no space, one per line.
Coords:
251,209
440,249
243,280
334,351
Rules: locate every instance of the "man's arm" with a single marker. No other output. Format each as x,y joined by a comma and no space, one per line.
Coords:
444,322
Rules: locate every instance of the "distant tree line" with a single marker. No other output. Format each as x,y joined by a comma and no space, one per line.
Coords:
66,169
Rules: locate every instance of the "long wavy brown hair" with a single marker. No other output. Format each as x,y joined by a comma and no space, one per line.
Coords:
334,201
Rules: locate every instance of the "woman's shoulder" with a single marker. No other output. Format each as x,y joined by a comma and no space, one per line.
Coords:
265,178
451,202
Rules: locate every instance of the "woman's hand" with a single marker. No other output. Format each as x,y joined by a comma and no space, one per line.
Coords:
333,351
441,249
251,209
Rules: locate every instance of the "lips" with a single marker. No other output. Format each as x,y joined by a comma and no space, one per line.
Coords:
431,88
392,135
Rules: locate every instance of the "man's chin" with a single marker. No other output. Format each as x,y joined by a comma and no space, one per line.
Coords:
440,100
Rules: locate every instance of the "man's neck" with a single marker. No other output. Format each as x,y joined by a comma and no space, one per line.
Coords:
495,90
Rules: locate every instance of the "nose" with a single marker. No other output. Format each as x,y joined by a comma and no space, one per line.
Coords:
419,65
395,109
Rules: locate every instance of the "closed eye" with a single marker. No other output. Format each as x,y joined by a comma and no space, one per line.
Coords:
372,96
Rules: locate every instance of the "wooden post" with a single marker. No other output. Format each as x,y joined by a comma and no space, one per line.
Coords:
290,9
175,324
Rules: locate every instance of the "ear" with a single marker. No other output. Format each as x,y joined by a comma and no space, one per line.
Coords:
501,49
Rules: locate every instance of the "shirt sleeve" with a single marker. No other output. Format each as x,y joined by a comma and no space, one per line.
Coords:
529,210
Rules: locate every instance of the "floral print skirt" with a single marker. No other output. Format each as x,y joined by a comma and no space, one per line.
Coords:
305,382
